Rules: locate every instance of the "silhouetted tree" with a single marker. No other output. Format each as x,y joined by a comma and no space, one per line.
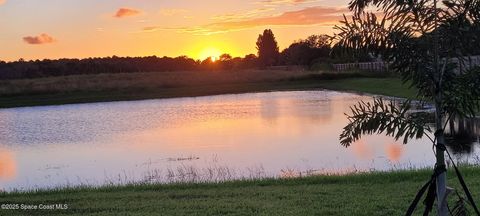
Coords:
305,52
318,41
225,57
225,61
208,64
425,43
249,61
267,48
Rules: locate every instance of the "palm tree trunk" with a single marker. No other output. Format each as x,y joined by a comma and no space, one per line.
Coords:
442,208
441,179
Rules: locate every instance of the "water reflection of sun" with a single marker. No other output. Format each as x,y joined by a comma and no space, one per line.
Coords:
362,150
394,151
7,165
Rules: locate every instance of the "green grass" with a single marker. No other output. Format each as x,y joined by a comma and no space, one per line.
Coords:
377,193
383,86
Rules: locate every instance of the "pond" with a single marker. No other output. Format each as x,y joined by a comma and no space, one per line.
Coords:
209,138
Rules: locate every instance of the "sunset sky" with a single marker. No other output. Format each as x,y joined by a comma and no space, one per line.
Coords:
39,29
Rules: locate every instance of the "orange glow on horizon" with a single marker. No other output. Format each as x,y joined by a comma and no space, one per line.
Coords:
210,52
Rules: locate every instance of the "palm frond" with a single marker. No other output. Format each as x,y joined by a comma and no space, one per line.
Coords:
379,117
462,94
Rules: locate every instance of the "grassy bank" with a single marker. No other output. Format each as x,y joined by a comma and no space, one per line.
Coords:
382,86
121,87
382,193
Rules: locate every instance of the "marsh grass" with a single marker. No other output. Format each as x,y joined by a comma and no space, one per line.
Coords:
215,172
145,80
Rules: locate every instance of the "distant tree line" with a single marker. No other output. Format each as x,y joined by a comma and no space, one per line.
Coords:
22,69
309,52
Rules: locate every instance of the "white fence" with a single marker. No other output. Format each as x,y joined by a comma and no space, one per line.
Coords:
465,63
372,66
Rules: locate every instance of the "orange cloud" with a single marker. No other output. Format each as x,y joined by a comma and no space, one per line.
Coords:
40,39
280,2
308,16
126,12
2,2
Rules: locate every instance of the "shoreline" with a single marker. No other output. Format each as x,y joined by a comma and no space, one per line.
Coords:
382,86
390,192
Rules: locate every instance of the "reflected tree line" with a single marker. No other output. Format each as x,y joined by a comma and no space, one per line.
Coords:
462,134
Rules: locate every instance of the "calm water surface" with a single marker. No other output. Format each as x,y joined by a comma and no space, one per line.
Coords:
273,134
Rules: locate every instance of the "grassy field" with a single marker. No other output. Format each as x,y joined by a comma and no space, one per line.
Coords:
121,87
378,193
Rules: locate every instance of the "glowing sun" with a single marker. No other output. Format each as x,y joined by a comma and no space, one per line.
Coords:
212,52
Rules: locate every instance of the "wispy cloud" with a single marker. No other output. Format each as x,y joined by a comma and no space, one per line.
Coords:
153,29
172,11
2,1
40,39
307,16
270,3
126,12
243,15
